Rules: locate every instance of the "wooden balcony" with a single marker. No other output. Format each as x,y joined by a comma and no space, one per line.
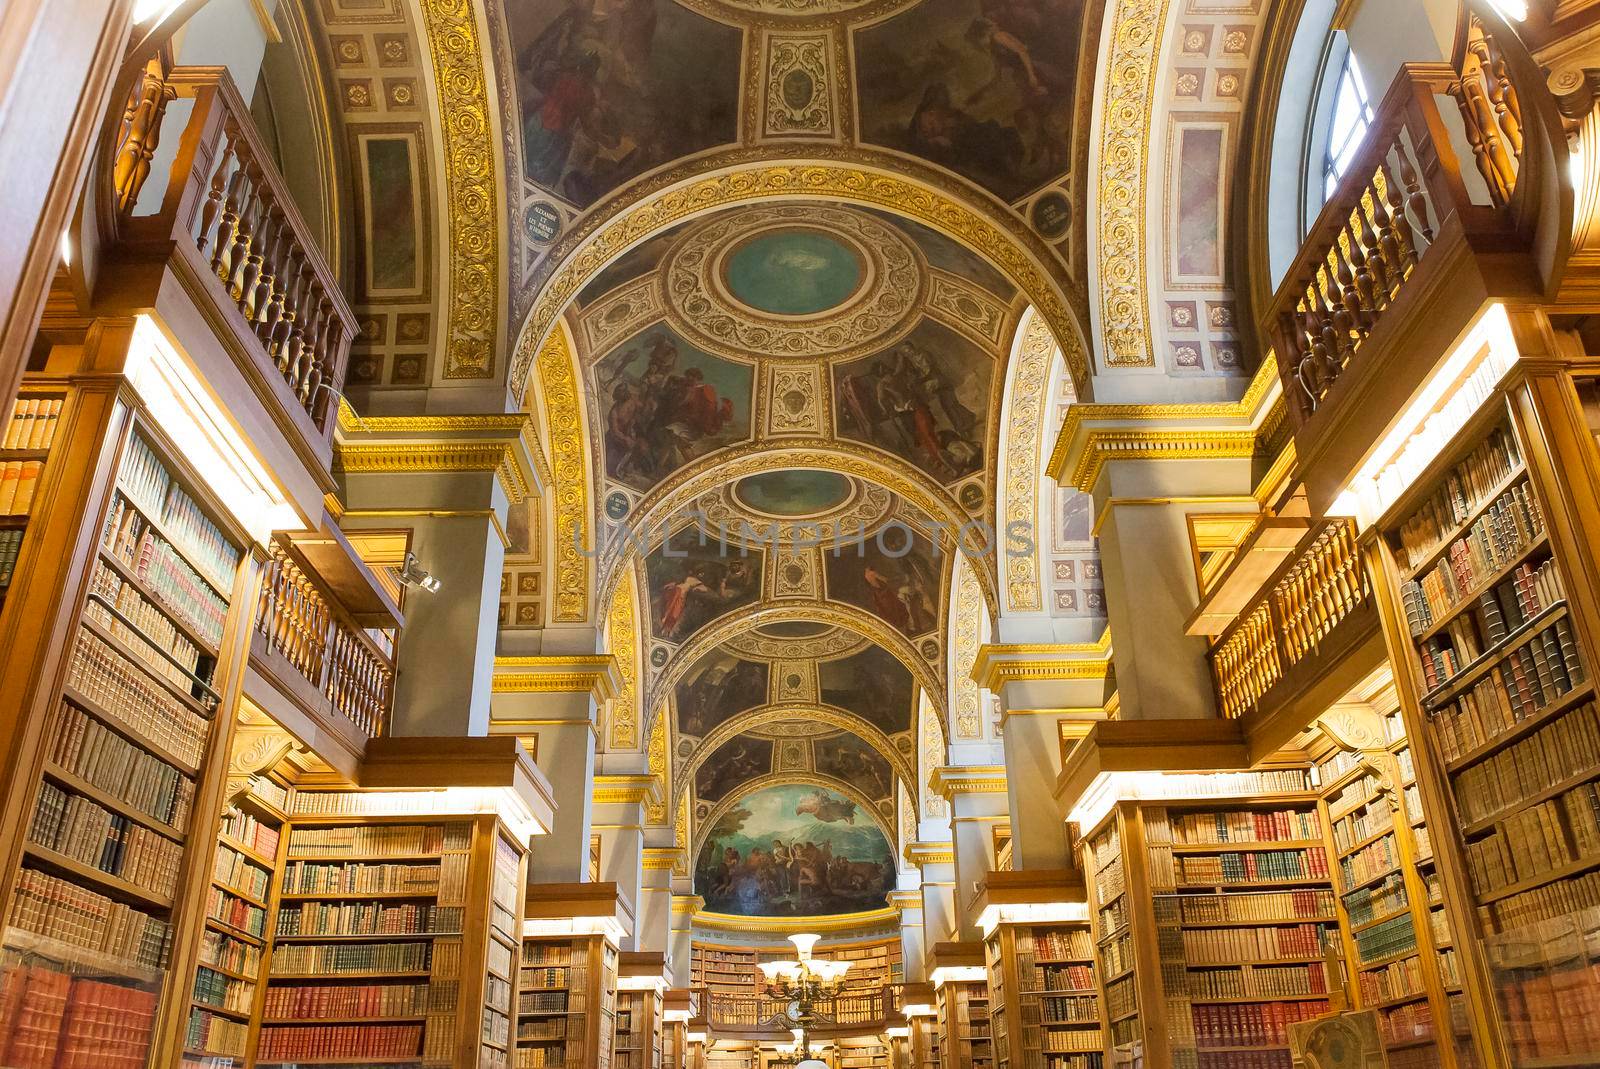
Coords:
1456,200
1310,618
761,1017
225,226
322,649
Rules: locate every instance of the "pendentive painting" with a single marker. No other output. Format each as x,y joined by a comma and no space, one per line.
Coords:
983,87
795,850
873,685
925,400
737,761
718,687
693,583
665,402
848,757
896,577
612,88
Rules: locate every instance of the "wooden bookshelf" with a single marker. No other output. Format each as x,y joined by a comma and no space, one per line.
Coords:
1477,559
1044,1002
966,1040
502,951
641,985
26,441
567,986
107,889
868,1052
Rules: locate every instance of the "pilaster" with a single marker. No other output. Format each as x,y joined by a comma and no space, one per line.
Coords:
913,944
979,803
684,908
937,862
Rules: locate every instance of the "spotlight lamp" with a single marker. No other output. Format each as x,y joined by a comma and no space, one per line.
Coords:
412,574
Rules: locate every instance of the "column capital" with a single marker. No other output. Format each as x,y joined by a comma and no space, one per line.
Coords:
952,780
632,789
506,444
594,674
662,859
934,852
996,664
905,901
687,905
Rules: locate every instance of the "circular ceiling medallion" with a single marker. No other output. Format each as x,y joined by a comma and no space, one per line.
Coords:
795,629
794,271
793,494
793,281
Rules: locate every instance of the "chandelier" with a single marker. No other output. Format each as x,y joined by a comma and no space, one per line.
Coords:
803,983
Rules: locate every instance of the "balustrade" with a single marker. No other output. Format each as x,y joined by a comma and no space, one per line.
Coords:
758,1013
230,211
319,641
1309,596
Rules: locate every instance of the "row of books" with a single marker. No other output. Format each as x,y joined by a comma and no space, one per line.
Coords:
33,423
1367,904
1397,979
381,840
1226,946
1361,823
1263,981
1556,752
1397,935
1551,903
1533,841
347,1000
287,1043
1524,681
19,483
1406,1023
10,547
1460,491
226,952
152,623
1256,1024
235,912
1243,1059
105,677
1376,858
367,918
311,878
87,748
1233,826
1059,943
57,909
1070,1040
542,1030
1506,528
215,1034
146,480
1062,1009
1256,906
1063,978
368,957
245,829
1554,1015
236,872
545,1002
212,988
130,539
49,1020
79,828
1266,865
1499,613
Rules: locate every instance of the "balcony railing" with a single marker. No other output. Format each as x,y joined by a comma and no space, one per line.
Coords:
1397,200
228,213
759,1014
349,668
1310,596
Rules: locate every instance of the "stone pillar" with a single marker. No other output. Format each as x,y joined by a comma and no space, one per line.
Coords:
552,704
452,495
978,804
937,862
1043,692
913,945
653,923
619,800
684,908
1148,474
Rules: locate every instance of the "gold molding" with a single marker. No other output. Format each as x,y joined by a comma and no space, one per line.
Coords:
1102,447
474,208
687,904
521,424
838,922
592,674
996,665
558,385
660,859
622,637
930,853
622,790
395,457
952,780
1027,406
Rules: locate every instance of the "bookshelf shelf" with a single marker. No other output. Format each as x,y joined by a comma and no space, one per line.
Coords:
1522,728
131,578
108,884
1492,657
86,961
1474,513
110,801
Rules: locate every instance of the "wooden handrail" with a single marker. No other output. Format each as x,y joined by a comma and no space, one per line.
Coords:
226,202
1309,595
304,624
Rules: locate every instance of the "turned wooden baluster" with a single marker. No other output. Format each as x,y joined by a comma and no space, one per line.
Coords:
212,211
222,254
1364,296
1385,281
1501,91
246,257
141,125
1478,111
286,339
260,310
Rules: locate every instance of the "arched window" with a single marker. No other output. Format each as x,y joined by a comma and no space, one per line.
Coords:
1349,118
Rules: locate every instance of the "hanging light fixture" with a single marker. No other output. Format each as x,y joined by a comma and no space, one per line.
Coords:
803,983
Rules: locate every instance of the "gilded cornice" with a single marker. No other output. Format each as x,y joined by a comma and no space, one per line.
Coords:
661,859
563,422
900,901
952,780
996,665
938,852
592,674
624,790
408,456
687,904
520,424
839,922
474,208
623,638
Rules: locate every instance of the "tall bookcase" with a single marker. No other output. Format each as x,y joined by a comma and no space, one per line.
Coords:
567,992
26,440
641,986
1487,557
107,887
1214,921
1044,1003
961,997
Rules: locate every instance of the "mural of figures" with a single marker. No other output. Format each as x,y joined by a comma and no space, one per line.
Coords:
923,400
736,761
718,687
895,577
665,403
849,758
691,584
611,88
873,685
794,850
984,87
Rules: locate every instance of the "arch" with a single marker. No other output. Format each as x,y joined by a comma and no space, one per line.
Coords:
846,175
564,419
849,617
623,732
1025,442
831,715
969,629
782,779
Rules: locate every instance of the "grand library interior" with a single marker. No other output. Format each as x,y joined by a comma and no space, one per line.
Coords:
799,534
